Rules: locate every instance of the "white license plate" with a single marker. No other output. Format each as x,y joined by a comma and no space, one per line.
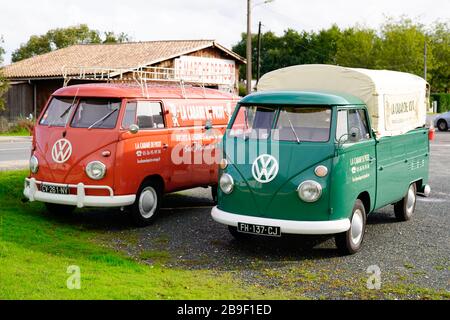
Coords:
259,230
49,188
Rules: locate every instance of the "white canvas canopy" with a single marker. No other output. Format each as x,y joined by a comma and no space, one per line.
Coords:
397,101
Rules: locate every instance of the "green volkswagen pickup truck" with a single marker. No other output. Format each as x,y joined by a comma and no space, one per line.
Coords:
299,161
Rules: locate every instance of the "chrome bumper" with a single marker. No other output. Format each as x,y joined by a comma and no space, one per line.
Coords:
80,199
286,226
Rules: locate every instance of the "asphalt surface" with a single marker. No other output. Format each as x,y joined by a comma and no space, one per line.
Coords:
14,152
413,257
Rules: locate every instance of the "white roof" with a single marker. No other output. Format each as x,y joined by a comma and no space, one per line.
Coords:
396,100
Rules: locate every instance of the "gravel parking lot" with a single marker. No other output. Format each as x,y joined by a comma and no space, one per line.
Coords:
413,257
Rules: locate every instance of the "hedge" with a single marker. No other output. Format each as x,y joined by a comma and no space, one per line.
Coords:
443,101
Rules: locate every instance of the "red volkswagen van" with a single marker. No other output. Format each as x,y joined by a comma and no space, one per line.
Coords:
108,145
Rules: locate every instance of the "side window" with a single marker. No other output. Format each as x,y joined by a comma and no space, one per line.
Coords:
146,114
352,125
129,117
357,124
342,126
149,115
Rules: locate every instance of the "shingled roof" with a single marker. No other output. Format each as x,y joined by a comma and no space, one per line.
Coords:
124,55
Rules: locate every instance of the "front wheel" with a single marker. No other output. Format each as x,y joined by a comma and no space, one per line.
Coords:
404,209
145,209
442,125
351,241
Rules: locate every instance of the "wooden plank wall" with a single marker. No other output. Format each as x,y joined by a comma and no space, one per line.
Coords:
19,102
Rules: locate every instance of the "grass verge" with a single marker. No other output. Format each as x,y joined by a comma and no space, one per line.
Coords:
15,133
37,252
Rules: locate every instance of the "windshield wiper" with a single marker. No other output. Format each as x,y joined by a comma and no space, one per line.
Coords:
293,130
67,110
103,119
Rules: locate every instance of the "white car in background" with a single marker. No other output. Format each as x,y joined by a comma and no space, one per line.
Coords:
442,121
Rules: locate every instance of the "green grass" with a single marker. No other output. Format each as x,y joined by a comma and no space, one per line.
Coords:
36,251
15,133
155,256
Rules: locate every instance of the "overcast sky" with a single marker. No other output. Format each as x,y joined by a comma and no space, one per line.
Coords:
223,20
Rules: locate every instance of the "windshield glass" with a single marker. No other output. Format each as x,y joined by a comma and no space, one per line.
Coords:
97,113
297,124
253,122
58,112
303,124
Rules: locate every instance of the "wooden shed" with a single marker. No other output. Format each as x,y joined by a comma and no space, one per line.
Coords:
33,80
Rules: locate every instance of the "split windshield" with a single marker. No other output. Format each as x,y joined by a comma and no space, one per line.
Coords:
285,123
96,113
90,113
58,112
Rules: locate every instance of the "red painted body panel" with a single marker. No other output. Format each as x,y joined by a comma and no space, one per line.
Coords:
133,157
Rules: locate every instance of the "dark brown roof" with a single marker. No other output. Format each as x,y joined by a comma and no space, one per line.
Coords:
124,55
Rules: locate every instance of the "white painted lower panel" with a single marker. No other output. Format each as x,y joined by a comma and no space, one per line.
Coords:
287,226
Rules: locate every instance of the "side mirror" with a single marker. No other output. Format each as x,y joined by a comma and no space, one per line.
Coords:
355,134
134,128
208,125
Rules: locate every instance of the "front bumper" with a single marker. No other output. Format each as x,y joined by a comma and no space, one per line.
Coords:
286,226
80,199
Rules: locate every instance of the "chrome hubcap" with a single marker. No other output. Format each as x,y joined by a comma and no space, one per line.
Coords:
148,202
442,126
356,229
410,201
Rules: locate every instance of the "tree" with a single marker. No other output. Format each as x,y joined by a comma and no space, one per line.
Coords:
291,48
4,85
396,45
402,47
357,47
64,37
439,40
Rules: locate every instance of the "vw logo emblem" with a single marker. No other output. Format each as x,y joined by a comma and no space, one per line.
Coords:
265,168
62,150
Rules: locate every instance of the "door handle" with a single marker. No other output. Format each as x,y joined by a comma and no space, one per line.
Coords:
165,146
372,159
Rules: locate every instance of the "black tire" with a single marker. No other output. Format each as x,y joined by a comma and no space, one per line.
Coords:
59,209
350,242
240,236
214,194
404,209
442,125
144,211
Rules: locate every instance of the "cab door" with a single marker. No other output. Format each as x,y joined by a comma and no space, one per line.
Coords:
146,152
355,165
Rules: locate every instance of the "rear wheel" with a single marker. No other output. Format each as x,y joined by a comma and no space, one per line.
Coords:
442,125
145,209
238,235
351,241
54,208
404,209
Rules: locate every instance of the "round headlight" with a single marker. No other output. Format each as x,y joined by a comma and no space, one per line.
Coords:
96,170
226,183
34,164
223,164
310,191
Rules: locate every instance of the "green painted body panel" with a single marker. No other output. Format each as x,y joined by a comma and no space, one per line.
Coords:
401,160
279,199
301,98
381,169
